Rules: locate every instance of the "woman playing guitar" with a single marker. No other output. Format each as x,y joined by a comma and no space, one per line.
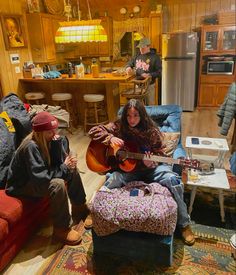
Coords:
136,127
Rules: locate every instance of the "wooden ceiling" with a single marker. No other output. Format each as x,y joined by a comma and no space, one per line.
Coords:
99,7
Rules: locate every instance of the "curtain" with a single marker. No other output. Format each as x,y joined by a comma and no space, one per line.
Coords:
140,25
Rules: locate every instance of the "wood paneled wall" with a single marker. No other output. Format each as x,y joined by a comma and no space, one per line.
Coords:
187,15
178,15
9,78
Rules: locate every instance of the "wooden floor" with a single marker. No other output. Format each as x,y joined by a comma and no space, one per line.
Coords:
201,122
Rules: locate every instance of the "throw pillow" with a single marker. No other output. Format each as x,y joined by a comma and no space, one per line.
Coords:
170,142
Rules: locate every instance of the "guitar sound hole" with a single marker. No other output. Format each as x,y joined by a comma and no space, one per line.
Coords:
112,161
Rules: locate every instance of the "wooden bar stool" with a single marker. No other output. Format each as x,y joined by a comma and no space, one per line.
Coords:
65,101
137,89
95,111
34,97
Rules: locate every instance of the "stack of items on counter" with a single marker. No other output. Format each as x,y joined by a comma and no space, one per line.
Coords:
32,71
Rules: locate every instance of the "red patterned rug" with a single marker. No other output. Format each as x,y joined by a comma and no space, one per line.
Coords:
211,254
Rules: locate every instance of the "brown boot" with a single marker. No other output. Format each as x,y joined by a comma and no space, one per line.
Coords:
187,235
67,235
88,223
79,212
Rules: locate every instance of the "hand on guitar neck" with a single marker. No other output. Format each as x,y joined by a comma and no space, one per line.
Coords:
101,158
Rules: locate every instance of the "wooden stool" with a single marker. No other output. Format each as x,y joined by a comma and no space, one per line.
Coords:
34,97
65,101
137,89
94,112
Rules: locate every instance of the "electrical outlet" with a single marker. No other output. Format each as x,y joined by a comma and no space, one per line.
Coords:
17,70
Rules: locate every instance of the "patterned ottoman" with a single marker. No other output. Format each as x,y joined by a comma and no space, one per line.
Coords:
135,221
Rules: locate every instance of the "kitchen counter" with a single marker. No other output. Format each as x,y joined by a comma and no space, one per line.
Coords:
106,83
103,77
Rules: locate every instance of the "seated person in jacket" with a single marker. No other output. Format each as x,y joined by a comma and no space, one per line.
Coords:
135,127
36,172
146,64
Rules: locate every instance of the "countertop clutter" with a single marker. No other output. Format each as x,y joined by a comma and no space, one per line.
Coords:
107,77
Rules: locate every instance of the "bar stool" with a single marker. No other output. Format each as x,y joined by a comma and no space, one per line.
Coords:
34,97
65,101
94,112
138,89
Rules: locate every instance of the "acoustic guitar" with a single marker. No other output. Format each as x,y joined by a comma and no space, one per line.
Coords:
101,158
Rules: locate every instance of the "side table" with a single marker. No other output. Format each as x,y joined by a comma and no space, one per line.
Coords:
218,179
215,144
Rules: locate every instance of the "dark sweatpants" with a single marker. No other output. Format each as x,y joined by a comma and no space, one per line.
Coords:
58,193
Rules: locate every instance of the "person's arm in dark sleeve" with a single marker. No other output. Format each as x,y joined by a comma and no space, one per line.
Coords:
131,63
103,133
38,171
157,68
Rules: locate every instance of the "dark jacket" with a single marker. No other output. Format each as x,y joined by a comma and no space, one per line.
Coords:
146,63
28,165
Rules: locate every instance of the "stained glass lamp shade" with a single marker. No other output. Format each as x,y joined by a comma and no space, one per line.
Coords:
81,31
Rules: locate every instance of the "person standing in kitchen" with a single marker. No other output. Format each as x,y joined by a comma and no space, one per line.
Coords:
146,63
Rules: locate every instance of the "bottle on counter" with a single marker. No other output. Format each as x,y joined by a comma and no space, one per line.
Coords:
95,68
70,70
79,69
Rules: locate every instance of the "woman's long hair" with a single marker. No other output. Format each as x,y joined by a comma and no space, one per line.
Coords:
146,131
39,139
145,124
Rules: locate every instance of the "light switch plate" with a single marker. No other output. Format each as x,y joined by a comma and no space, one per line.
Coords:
17,70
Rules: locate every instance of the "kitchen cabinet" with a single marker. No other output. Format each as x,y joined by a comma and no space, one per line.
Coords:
155,30
217,44
97,48
106,48
41,28
218,39
213,90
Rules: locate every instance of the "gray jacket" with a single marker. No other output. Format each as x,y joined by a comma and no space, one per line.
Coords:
227,111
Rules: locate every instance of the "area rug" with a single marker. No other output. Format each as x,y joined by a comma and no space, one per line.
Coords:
211,254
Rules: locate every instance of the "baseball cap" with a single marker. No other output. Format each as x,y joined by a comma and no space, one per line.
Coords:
145,41
44,121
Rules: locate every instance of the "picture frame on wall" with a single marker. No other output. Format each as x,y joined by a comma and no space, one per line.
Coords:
13,31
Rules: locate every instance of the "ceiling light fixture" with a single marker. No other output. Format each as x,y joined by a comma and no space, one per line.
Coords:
81,30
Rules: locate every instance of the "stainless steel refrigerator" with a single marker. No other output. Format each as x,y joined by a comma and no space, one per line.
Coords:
179,69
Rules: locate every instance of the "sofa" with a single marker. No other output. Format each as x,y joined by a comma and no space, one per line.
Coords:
18,217
140,245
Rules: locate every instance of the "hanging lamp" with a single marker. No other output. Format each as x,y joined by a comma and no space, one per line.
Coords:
81,30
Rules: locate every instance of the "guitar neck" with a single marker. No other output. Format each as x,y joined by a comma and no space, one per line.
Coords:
152,158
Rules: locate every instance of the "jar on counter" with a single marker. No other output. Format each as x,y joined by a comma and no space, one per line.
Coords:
95,68
79,70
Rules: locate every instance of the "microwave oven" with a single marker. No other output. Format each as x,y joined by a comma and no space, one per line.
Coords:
220,67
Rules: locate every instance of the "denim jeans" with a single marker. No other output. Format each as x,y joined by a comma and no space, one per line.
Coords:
162,174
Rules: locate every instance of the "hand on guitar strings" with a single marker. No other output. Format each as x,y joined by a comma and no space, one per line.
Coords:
115,141
147,160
